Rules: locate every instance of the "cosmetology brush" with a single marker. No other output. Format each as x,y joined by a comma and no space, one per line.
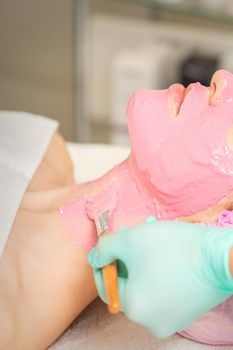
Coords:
99,209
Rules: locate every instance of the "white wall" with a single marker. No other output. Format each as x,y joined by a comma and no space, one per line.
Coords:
112,35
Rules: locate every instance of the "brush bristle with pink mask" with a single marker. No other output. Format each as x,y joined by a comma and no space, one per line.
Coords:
99,209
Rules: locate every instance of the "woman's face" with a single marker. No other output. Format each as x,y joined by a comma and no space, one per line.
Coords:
182,141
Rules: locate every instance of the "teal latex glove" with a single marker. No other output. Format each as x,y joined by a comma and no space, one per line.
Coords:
169,273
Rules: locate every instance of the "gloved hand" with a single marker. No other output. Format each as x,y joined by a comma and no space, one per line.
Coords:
169,272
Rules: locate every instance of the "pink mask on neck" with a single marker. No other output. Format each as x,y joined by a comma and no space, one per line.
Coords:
179,141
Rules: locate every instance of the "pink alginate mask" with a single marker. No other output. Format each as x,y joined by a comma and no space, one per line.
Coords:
131,205
179,140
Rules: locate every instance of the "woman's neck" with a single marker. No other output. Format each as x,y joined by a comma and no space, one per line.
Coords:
132,204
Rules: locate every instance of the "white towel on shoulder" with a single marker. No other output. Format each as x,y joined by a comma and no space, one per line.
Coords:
24,139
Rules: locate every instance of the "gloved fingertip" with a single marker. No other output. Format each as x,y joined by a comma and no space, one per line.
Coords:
92,257
151,219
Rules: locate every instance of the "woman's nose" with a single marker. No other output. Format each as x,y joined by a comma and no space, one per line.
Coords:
221,87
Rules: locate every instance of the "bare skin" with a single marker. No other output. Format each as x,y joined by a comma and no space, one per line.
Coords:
45,280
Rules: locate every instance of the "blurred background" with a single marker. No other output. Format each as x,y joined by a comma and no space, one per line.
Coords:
80,61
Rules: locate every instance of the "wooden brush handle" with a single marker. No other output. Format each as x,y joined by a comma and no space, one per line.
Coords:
110,277
111,288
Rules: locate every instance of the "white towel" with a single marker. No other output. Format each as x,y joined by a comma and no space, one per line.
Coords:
24,139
